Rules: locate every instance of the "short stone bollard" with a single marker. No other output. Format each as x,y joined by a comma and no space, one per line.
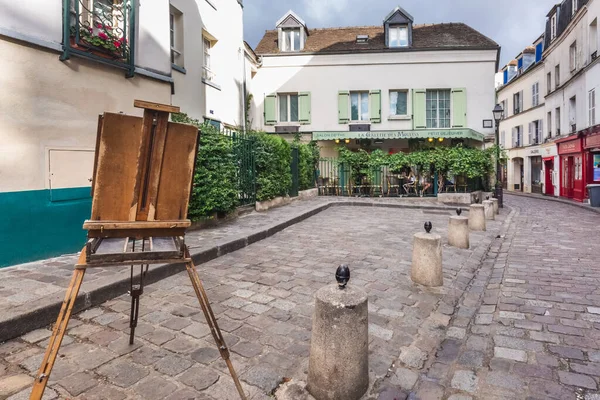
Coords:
496,207
458,231
426,267
338,366
488,210
476,217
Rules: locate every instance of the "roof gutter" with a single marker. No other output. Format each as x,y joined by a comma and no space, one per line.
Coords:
381,51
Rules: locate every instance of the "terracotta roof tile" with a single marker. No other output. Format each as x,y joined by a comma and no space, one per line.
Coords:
430,36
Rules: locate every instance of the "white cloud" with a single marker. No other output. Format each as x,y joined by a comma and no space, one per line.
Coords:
325,11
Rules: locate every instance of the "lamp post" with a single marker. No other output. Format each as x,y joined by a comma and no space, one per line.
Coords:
498,114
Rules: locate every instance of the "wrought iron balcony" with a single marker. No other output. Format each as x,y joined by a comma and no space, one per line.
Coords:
102,30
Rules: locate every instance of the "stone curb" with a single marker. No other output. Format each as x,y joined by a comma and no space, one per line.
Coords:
15,326
555,199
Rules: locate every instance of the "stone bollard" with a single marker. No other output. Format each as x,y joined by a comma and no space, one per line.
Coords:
496,208
338,366
488,210
476,217
458,231
427,259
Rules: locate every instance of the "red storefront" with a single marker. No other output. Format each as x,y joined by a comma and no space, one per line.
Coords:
591,145
573,173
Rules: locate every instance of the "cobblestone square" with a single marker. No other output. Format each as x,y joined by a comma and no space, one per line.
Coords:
517,317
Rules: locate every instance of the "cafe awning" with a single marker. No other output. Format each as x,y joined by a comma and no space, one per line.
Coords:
411,134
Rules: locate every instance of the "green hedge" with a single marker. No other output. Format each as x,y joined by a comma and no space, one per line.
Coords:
307,164
214,190
273,159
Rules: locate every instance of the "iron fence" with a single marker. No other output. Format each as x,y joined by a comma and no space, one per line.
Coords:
340,179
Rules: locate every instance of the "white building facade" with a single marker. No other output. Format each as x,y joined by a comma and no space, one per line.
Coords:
381,87
64,63
568,76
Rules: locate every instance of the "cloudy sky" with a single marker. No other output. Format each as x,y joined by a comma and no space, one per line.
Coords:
513,24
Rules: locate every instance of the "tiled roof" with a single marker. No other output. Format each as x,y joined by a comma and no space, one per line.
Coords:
430,36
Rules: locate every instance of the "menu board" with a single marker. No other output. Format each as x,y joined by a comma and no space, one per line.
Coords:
596,167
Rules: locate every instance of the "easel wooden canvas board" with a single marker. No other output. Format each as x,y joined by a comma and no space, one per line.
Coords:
143,172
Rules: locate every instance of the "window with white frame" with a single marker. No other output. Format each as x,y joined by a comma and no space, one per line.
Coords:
592,107
557,118
438,108
359,106
502,138
176,36
288,107
548,82
573,56
553,26
398,36
535,94
557,76
207,73
518,102
573,7
291,40
398,102
549,118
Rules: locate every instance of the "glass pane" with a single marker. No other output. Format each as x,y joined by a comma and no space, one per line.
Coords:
287,37
296,33
403,36
354,106
283,107
402,108
393,103
364,106
294,108
394,39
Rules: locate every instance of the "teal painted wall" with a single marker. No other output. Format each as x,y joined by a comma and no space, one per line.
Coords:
39,224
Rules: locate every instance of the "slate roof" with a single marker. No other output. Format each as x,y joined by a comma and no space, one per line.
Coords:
425,37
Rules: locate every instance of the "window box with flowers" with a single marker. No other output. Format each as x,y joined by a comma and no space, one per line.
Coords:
101,30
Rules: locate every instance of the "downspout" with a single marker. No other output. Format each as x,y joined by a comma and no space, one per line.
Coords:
244,91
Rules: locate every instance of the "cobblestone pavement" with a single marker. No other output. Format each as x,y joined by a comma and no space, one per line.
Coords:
30,286
531,325
263,297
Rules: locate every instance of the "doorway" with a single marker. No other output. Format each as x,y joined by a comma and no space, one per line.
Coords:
548,170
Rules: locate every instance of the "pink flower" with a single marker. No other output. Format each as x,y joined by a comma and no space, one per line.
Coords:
117,44
123,40
98,25
102,36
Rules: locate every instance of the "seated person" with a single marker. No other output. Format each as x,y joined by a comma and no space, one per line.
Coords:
425,183
411,180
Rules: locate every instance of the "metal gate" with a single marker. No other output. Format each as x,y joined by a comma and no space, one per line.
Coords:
243,150
295,176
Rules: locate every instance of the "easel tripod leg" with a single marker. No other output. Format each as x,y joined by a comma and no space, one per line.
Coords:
60,328
212,323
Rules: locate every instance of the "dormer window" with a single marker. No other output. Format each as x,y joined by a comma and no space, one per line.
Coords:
292,32
398,36
291,39
553,27
398,28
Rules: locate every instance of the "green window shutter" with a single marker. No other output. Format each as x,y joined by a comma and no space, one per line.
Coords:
343,107
459,108
418,106
375,106
271,109
304,104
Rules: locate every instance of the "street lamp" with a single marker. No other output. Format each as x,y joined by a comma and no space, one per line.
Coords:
498,114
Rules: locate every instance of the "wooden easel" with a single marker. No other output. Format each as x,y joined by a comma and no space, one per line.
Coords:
142,182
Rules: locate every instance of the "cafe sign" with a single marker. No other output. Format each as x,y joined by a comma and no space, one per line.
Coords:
573,146
413,134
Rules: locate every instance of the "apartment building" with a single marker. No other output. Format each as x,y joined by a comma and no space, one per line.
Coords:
383,87
64,63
